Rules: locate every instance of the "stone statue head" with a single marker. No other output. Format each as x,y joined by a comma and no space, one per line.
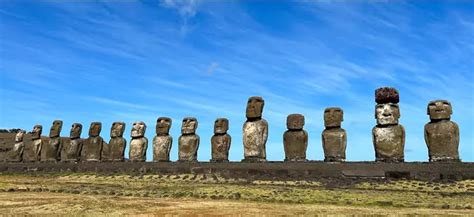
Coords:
163,125
117,129
36,133
56,128
333,117
295,121
138,129
19,136
387,95
221,125
76,130
387,114
439,110
95,128
254,107
189,125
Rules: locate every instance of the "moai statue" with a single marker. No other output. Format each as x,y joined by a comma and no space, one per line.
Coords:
92,147
162,142
139,142
115,150
188,141
52,151
388,136
441,134
295,139
220,141
16,154
334,137
72,149
37,142
255,131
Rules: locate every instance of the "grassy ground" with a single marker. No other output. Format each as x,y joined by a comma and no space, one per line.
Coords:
190,194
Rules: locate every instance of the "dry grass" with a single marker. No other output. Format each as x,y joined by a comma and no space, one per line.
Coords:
190,194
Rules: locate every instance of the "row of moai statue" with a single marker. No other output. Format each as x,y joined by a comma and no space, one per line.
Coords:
441,136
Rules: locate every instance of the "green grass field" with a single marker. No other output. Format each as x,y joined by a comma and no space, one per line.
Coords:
190,194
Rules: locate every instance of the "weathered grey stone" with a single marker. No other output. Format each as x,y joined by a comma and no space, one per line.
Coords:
188,141
221,141
72,148
16,154
295,139
115,149
52,150
388,136
334,137
441,134
92,146
36,143
162,142
139,143
389,143
255,131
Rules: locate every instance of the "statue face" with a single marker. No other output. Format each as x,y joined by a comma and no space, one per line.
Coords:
221,125
439,110
36,133
19,136
76,130
56,128
95,128
138,129
387,114
163,125
189,126
333,117
254,107
295,122
117,129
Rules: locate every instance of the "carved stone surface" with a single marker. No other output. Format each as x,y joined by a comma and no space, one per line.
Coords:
36,143
73,147
388,136
441,134
92,146
188,143
255,131
334,137
139,143
387,95
52,150
16,154
295,139
115,150
221,141
162,142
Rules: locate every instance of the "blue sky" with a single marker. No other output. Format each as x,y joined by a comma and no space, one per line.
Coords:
128,61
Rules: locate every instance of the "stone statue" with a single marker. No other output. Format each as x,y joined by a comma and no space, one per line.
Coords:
139,142
52,150
92,147
441,134
220,141
115,150
162,142
72,149
188,141
334,137
255,131
37,142
295,139
16,154
388,136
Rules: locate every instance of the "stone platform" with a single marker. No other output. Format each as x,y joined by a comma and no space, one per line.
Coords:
310,170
